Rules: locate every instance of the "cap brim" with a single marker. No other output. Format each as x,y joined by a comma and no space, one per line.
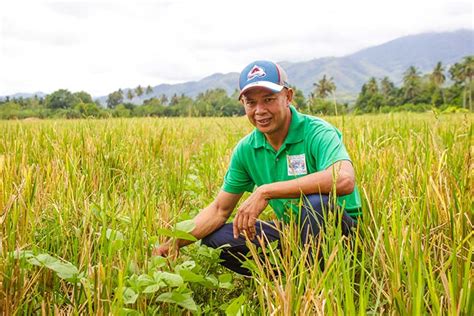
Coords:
262,84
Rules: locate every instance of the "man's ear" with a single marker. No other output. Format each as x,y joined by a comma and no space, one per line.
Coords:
289,95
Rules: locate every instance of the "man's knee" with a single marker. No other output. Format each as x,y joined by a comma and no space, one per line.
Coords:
219,237
312,217
316,202
209,241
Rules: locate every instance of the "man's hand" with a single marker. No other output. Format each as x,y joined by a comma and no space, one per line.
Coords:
247,214
166,249
161,250
207,221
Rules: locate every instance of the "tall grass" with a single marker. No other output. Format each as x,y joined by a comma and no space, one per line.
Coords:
83,202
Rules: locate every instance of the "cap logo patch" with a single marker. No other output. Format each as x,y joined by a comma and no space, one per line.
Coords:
256,71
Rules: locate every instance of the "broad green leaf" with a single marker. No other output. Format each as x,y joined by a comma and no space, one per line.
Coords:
42,260
213,280
165,232
170,279
176,234
236,307
129,296
111,234
134,283
210,253
183,300
132,267
20,254
225,281
190,276
225,278
187,265
152,288
186,226
157,262
65,270
128,312
145,280
185,236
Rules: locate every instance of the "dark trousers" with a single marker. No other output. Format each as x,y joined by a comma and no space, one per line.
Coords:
310,222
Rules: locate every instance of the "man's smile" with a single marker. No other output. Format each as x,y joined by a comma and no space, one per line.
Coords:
264,121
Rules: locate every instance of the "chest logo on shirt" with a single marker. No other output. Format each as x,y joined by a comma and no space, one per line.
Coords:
296,165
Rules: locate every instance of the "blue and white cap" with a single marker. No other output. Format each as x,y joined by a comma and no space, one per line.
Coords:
263,73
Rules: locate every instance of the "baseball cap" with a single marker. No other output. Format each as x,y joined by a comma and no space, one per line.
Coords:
263,73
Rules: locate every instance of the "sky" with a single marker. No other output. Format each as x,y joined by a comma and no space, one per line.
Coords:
99,46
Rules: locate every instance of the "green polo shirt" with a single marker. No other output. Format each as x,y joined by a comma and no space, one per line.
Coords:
311,145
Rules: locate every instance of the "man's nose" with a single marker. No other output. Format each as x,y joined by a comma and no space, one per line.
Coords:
260,107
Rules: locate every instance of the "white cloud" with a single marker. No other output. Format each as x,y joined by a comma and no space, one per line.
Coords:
100,46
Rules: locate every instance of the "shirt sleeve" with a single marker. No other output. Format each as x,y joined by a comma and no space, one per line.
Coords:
327,148
237,179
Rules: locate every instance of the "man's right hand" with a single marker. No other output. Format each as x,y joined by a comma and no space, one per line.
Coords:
207,221
163,250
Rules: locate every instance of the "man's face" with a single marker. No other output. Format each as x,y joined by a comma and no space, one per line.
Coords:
268,111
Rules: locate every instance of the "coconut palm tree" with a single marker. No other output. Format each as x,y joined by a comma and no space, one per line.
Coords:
462,74
130,94
411,82
387,90
139,91
468,65
386,86
372,86
324,88
164,99
438,78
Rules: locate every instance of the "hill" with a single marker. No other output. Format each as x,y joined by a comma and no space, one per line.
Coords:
350,72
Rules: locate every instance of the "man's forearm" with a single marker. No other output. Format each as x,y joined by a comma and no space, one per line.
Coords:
209,220
206,222
319,182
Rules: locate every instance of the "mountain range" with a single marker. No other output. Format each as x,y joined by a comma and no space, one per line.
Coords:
349,72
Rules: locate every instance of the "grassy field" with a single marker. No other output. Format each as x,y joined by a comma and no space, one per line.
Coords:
83,202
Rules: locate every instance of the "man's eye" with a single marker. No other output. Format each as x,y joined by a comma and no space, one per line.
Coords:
268,100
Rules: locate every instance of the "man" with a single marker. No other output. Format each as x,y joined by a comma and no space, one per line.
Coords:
287,157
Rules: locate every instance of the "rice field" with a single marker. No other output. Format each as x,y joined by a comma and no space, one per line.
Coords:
83,202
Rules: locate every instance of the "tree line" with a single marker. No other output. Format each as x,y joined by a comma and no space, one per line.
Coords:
65,104
418,92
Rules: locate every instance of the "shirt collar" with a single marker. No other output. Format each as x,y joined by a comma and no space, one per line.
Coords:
295,134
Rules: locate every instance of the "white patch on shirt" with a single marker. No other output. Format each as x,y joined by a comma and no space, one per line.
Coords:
296,165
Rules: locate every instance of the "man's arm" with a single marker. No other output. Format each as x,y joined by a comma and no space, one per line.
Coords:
319,182
207,221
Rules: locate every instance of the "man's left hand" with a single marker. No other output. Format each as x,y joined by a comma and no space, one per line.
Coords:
247,214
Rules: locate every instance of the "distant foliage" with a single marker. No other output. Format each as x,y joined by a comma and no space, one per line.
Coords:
61,99
419,92
441,90
114,99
